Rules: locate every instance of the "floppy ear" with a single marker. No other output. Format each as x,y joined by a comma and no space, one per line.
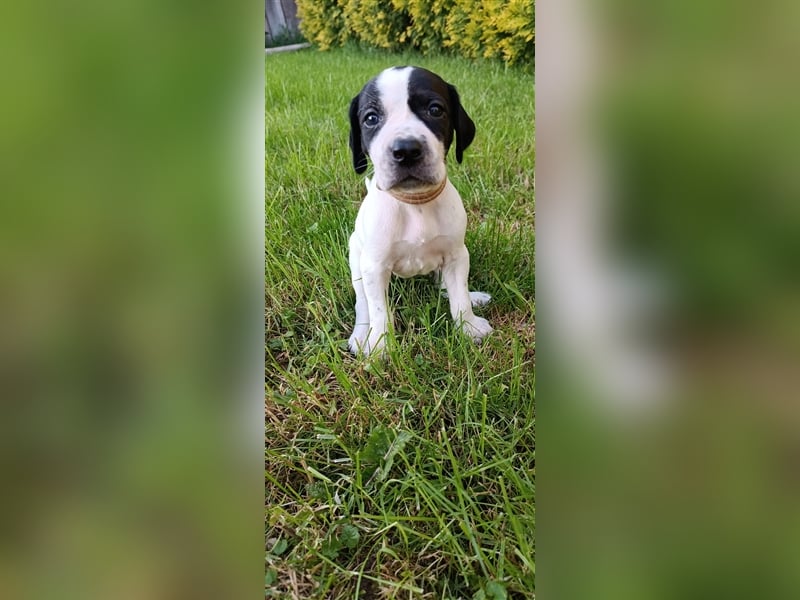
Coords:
462,124
356,147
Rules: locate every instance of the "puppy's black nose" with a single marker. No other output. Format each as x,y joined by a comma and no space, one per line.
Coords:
406,151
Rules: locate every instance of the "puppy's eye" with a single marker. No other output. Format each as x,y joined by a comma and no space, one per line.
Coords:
371,119
436,110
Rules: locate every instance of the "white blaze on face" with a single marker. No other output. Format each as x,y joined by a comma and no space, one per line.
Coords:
401,122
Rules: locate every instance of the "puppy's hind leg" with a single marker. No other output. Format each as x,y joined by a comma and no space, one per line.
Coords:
479,299
476,299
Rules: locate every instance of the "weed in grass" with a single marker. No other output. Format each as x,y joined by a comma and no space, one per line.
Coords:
411,477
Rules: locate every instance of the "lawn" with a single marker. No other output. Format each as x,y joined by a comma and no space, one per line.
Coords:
411,477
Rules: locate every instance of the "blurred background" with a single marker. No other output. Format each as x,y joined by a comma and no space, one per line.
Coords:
131,279
668,247
668,304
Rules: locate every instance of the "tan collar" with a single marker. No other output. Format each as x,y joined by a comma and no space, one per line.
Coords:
418,197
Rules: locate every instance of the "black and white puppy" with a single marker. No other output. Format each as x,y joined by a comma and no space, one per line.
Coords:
412,220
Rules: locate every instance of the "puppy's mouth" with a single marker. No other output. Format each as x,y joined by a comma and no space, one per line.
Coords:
412,184
412,190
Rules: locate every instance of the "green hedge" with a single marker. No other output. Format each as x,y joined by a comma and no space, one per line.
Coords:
503,29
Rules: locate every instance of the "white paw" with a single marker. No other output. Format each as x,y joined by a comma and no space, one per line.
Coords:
362,344
479,298
376,344
358,338
476,298
476,327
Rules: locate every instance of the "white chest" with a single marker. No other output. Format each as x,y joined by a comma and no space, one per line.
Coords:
410,258
409,239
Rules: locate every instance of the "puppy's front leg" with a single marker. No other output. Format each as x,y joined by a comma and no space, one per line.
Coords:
375,283
361,328
455,273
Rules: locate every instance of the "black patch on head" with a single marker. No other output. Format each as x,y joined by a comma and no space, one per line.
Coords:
427,92
367,102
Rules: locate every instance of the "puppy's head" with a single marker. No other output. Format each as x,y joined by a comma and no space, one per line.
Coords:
405,120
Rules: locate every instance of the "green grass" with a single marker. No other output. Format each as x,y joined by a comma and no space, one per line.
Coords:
411,477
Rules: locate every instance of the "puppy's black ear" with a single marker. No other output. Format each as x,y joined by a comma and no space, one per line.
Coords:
356,147
462,124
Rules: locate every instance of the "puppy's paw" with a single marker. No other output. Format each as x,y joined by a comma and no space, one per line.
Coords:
362,344
479,298
476,328
376,345
475,298
358,339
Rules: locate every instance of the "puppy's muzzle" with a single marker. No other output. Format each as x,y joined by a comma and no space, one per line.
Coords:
406,151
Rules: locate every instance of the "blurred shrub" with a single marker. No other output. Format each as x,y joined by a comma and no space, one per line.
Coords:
377,23
503,29
426,31
493,28
322,22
